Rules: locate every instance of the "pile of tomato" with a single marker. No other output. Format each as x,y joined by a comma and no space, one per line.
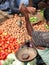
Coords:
7,45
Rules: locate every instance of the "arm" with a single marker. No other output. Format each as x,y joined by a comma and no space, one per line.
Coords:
24,11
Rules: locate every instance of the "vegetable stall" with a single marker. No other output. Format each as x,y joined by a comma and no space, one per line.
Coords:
13,34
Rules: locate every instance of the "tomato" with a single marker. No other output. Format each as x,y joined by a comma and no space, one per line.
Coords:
7,36
2,55
7,45
1,31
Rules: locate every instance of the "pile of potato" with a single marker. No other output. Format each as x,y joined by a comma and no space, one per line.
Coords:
41,26
16,27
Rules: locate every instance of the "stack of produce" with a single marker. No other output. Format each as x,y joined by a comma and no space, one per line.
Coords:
16,27
13,33
7,45
38,22
41,26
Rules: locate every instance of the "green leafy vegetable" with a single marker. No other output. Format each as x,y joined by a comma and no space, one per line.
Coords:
33,19
42,12
47,26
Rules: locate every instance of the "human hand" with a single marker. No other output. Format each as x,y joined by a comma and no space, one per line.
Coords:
25,9
31,9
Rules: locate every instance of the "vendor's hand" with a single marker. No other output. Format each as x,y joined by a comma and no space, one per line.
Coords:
31,9
23,9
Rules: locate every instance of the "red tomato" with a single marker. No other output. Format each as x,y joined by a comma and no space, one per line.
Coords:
7,36
1,31
8,45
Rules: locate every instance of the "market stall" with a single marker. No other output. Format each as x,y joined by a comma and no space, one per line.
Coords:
14,35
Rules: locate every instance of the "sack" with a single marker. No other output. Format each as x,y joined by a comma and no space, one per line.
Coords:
41,38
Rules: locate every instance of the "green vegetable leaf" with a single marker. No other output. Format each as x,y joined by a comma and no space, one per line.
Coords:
47,26
42,12
33,19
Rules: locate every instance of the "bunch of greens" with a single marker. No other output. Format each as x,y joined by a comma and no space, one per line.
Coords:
47,26
42,12
33,19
